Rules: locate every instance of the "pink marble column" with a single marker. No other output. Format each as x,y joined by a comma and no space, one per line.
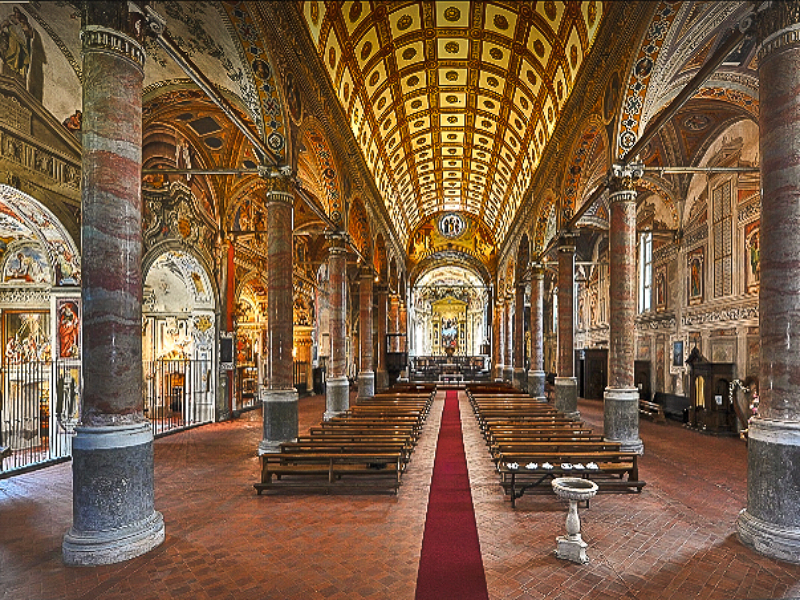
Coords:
114,517
381,375
279,397
566,386
536,375
520,374
366,375
771,522
337,387
508,338
497,342
621,398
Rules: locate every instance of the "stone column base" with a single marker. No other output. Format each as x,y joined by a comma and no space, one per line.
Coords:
521,379
567,397
771,522
536,381
366,385
508,374
114,518
621,419
337,397
381,381
280,419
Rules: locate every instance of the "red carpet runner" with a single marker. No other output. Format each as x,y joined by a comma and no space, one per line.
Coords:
450,567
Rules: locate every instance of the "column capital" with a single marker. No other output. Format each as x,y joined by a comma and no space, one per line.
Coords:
622,181
537,270
365,272
102,39
777,25
277,183
566,243
337,241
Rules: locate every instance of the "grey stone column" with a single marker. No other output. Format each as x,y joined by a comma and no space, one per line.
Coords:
381,375
366,375
621,398
566,382
113,495
771,522
520,374
508,340
279,397
536,375
337,387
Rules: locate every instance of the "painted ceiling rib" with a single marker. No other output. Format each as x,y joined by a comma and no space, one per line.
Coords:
737,35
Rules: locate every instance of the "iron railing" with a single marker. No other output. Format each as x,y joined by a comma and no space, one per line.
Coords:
178,393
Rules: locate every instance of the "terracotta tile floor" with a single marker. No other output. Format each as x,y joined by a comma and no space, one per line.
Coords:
676,540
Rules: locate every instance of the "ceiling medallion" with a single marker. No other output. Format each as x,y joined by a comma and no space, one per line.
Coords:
404,22
500,22
366,50
573,55
412,81
451,136
451,225
452,99
523,102
332,57
592,13
531,76
496,53
452,120
451,76
452,14
355,11
492,81
489,104
538,47
381,102
409,53
419,123
486,123
550,9
314,12
451,47
414,103
373,79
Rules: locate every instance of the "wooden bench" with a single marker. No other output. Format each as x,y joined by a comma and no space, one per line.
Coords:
652,409
362,446
329,471
610,474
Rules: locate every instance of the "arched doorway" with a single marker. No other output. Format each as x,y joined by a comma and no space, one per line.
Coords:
40,315
178,342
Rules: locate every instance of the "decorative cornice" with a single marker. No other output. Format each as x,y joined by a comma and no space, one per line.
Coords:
96,37
732,313
277,185
696,236
750,210
655,321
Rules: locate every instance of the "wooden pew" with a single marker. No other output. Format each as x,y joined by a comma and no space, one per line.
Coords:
616,471
328,471
652,409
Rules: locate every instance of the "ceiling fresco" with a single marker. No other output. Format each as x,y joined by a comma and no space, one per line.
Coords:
452,231
452,102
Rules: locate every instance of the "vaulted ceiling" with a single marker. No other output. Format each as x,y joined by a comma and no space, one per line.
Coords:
452,102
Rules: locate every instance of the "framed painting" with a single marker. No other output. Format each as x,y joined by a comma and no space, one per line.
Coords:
695,275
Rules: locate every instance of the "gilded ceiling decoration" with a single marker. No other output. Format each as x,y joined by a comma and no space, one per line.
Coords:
452,231
452,102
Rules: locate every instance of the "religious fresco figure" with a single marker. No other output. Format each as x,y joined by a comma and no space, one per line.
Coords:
16,40
69,326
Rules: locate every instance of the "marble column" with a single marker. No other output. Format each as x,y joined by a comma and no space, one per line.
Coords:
278,396
403,341
520,374
497,342
566,382
536,374
337,387
381,375
366,375
394,321
508,339
771,522
113,508
621,397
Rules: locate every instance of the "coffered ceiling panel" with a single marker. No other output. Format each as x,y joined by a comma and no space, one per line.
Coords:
452,101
